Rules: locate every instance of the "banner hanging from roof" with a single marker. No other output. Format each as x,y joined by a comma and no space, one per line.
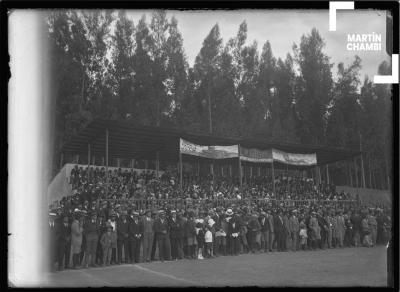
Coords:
255,155
212,152
269,155
294,158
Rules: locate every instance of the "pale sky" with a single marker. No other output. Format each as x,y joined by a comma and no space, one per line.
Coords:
283,28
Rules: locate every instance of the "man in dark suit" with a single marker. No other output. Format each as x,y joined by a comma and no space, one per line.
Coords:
161,230
122,237
63,235
52,241
176,236
264,231
154,216
135,237
233,232
279,231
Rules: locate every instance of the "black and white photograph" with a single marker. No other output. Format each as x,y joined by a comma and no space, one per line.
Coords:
167,147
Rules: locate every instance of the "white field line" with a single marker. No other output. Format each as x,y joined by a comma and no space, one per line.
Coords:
97,279
164,275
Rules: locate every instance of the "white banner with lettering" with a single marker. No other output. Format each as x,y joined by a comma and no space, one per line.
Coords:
255,155
212,152
294,158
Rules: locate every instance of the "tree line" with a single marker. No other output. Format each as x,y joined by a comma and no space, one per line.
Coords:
105,66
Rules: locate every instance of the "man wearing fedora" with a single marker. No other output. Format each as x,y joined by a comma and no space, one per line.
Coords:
123,237
91,228
176,236
264,231
135,237
155,216
294,229
270,219
233,232
52,229
254,228
148,235
63,243
190,233
161,230
76,238
113,223
340,227
279,230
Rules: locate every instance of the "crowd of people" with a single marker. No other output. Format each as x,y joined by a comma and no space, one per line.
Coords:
105,226
91,182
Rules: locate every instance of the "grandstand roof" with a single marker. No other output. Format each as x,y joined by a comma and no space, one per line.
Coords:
128,140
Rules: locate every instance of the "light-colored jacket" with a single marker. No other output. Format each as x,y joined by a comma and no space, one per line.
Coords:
270,219
76,237
340,224
314,226
148,225
294,224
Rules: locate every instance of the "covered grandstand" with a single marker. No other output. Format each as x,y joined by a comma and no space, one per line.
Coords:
110,139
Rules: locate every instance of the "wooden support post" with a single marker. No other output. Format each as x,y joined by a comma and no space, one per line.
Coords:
327,174
89,153
107,163
369,171
362,164
180,171
273,177
356,170
157,164
350,174
240,169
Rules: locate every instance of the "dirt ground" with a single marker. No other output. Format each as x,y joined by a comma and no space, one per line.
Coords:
334,267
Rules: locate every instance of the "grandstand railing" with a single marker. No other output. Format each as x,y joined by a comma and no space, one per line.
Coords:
274,203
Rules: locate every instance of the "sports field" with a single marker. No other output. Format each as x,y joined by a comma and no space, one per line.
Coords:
333,267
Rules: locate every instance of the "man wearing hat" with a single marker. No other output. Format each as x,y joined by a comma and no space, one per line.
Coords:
176,236
53,240
155,216
294,229
135,237
148,235
373,226
264,231
271,238
112,221
190,234
123,237
233,232
279,229
63,243
91,230
76,238
314,229
341,227
254,228
101,231
161,230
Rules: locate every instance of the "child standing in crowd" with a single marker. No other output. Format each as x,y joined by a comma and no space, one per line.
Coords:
200,239
303,236
106,243
208,240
